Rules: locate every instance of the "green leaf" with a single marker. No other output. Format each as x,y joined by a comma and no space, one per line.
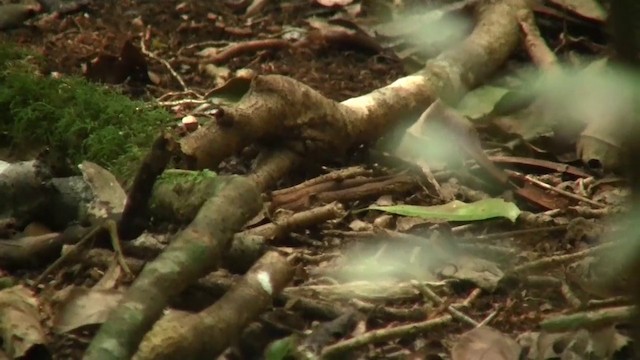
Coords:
480,102
456,210
279,349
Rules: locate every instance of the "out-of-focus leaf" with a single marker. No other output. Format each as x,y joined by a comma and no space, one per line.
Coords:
483,273
425,33
12,15
590,9
481,101
64,6
601,343
601,98
485,343
230,92
443,136
529,124
331,3
280,349
457,210
343,32
598,153
513,101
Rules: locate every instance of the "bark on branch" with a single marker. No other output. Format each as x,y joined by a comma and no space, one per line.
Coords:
192,254
283,111
278,109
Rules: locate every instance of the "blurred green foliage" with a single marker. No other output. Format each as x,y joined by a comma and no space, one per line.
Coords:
74,118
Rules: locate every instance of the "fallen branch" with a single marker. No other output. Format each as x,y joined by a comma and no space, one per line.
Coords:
343,191
282,110
193,253
208,333
242,48
589,319
377,336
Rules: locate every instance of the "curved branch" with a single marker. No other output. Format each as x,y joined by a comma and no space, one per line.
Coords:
278,109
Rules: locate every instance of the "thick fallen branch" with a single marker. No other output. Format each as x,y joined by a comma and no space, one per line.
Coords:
192,254
278,108
206,334
283,111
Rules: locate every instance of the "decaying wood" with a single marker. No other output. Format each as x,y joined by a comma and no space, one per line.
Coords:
280,110
179,194
192,254
24,189
30,250
206,334
135,214
344,191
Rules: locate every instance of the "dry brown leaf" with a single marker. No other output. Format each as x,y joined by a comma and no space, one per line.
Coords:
602,343
485,343
482,273
21,327
79,306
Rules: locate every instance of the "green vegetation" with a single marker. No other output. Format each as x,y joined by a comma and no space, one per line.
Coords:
78,119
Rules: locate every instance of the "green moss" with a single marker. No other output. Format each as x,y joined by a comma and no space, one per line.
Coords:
180,176
81,120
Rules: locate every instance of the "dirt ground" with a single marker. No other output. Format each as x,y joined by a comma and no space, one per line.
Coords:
175,31
178,27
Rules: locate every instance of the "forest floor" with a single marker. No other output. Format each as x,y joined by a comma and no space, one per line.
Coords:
176,34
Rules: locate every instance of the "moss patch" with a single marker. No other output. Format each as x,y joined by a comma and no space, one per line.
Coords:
78,119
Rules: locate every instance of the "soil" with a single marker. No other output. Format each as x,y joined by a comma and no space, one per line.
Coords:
177,27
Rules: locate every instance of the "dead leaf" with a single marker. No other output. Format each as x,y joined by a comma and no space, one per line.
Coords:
443,136
485,343
109,195
600,143
603,343
590,9
483,273
80,306
332,3
230,92
21,326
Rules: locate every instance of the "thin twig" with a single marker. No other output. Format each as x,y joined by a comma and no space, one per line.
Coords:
553,261
112,227
381,335
73,252
164,62
456,314
564,193
488,319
